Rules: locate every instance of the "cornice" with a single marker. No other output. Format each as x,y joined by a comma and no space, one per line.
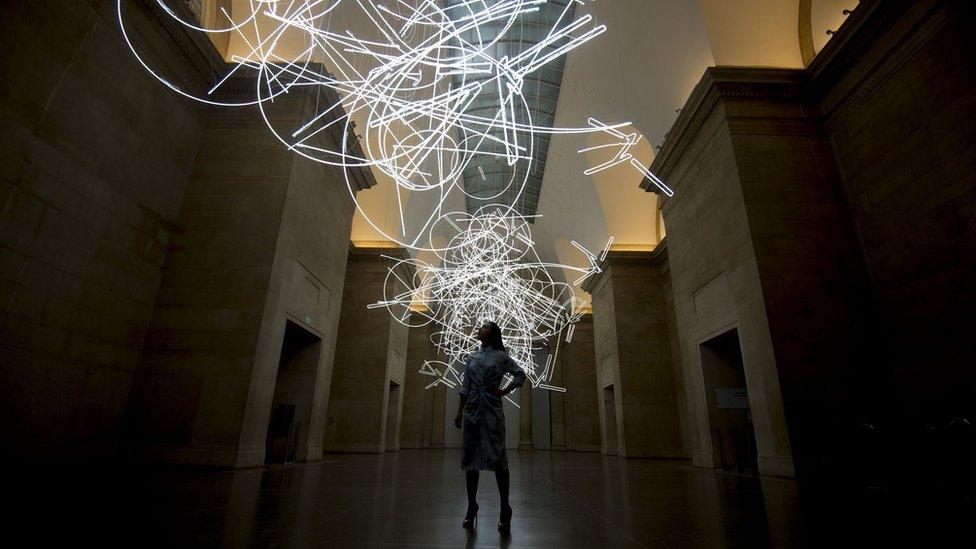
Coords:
376,254
311,98
382,257
195,46
861,30
716,84
591,283
206,62
658,256
874,46
655,257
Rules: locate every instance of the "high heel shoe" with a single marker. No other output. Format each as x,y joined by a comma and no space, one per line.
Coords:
471,517
505,522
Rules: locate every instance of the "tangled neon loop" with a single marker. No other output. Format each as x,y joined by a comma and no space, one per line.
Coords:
395,93
489,271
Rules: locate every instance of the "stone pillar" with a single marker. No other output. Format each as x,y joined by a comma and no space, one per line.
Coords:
632,344
246,261
525,417
581,404
557,402
96,156
371,352
904,145
422,419
762,247
439,404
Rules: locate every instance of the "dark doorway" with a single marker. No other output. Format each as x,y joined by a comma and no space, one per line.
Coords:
392,412
610,419
291,409
729,414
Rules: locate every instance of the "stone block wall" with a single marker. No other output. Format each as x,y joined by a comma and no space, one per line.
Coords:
715,279
259,241
901,120
557,400
797,192
371,351
684,417
95,157
306,286
605,354
576,413
194,376
813,282
151,249
422,423
633,347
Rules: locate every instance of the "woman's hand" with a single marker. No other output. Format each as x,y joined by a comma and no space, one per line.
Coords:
457,421
498,392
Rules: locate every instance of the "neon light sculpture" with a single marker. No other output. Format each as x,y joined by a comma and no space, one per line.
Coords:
408,76
625,143
488,271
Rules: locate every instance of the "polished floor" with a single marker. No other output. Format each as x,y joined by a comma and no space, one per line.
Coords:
415,498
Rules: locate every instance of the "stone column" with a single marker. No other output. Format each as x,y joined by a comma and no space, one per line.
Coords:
761,244
245,262
632,344
439,402
371,351
419,421
557,403
904,146
96,155
525,417
581,402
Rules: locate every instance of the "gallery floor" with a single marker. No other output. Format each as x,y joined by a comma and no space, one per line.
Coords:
415,498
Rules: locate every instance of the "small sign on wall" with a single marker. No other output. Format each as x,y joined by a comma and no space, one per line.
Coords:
737,399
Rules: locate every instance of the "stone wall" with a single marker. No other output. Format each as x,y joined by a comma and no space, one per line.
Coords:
95,157
152,249
792,188
192,384
900,114
422,423
306,286
715,277
605,354
633,348
684,416
371,351
259,241
575,413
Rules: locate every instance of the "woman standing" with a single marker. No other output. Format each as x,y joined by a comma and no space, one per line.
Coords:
482,420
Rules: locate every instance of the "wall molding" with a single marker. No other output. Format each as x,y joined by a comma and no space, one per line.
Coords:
659,256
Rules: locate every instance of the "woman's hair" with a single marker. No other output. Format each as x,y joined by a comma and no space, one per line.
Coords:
495,338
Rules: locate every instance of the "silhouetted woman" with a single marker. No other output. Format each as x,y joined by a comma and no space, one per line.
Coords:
482,420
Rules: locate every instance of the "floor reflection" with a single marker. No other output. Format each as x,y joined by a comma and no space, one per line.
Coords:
415,498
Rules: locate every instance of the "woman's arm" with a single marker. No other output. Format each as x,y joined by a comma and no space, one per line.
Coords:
517,373
518,378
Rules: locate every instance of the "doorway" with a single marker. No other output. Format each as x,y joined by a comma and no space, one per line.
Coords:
610,418
392,409
291,408
729,413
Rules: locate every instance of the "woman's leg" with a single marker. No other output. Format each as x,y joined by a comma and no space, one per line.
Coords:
501,477
472,480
